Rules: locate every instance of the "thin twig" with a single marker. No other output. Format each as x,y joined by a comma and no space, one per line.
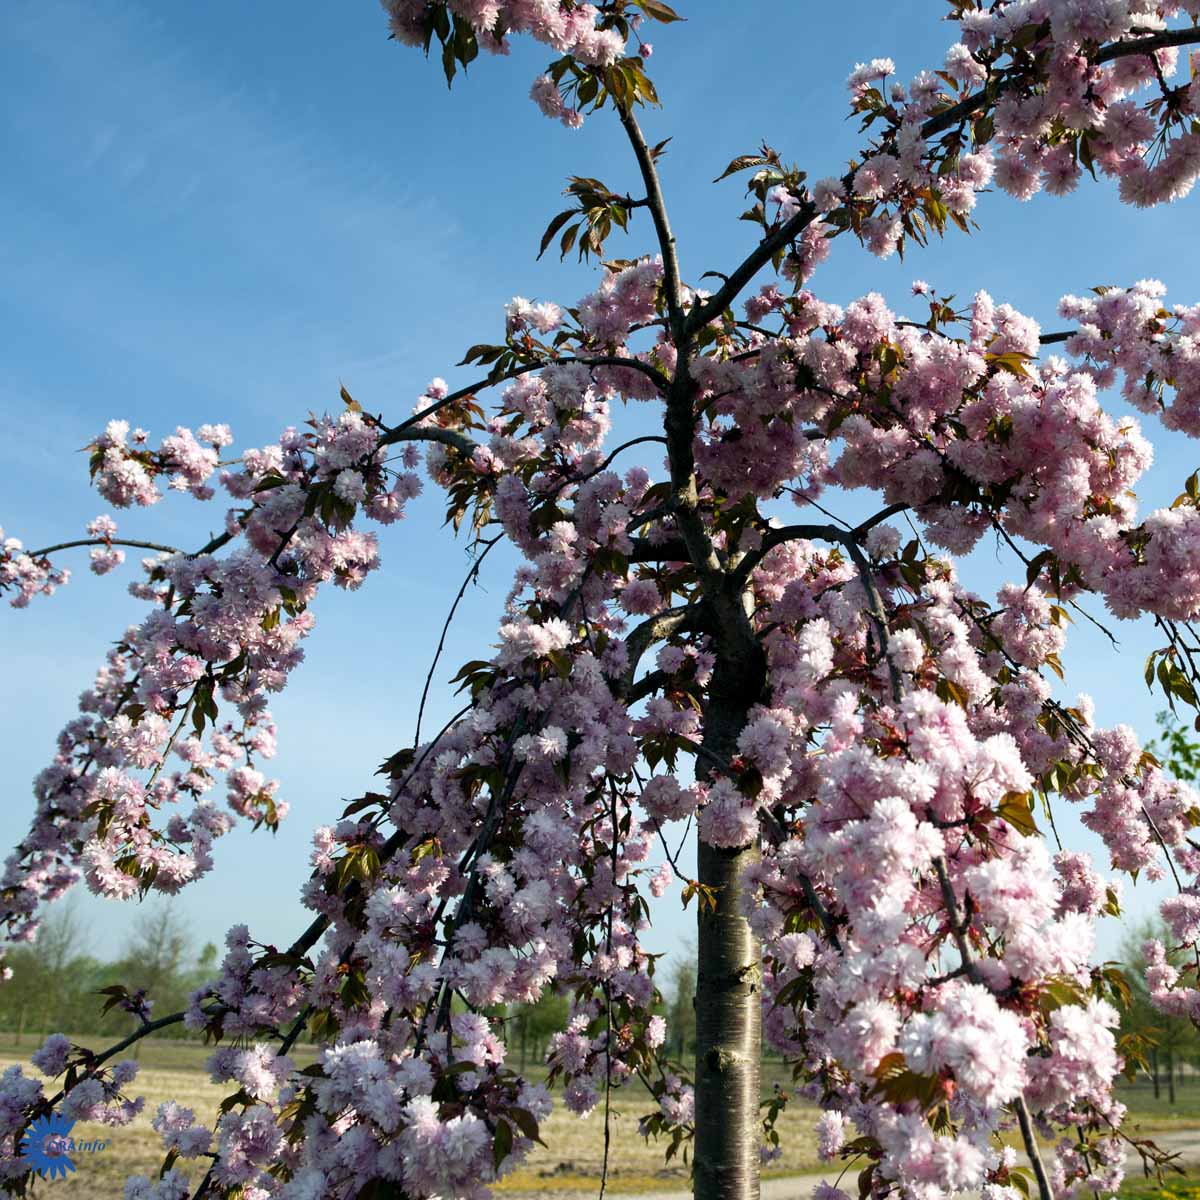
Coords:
473,573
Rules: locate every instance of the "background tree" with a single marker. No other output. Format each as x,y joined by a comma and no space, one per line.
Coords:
46,977
536,1024
681,1018
1164,1042
56,983
1176,748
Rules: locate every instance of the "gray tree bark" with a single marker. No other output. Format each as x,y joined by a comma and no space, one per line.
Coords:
729,959
728,1035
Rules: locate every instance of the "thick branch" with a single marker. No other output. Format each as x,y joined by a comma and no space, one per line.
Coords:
776,537
648,683
662,224
1144,45
397,432
813,533
758,258
448,437
1147,45
671,550
652,630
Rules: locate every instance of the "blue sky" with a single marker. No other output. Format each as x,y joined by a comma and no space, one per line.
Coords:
223,212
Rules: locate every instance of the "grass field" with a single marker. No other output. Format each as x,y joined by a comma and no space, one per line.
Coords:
1178,1188
570,1162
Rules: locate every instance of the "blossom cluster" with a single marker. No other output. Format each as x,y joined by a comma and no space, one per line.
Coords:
577,30
222,630
125,470
1035,94
26,574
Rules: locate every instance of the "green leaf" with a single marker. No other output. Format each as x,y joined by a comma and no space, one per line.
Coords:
502,1145
441,22
1017,809
1036,564
527,1123
466,47
552,228
656,10
201,699
1013,362
1019,1180
741,163
482,353
1085,155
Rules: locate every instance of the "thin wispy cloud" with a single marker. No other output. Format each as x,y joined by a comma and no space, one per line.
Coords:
210,200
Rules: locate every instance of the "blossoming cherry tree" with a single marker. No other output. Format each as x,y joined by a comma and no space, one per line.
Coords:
863,745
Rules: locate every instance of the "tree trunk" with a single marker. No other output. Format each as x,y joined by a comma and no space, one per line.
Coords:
729,960
729,964
1171,1074
1154,1071
728,1035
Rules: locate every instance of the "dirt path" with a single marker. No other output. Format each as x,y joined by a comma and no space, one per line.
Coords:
1185,1142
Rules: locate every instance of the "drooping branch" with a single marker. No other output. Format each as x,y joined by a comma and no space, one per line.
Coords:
877,610
791,229
637,441
959,932
45,550
472,574
661,380
1045,339
143,1030
958,928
